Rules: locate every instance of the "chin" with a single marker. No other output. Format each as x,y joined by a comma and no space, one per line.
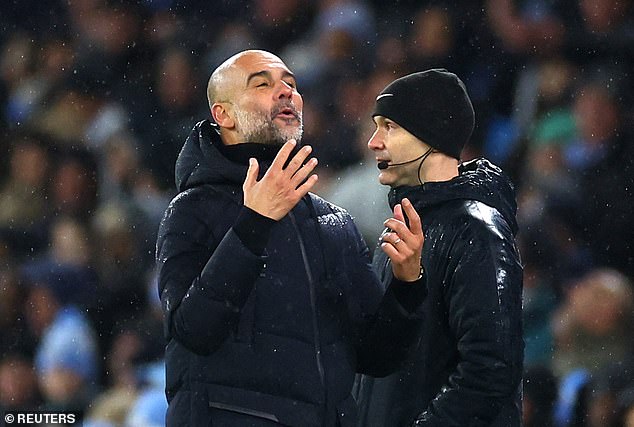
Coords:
295,134
385,180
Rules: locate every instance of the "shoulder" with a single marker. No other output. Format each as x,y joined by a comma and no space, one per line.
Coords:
199,206
194,198
485,219
468,214
467,222
336,223
326,209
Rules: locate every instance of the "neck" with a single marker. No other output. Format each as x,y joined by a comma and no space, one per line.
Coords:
439,167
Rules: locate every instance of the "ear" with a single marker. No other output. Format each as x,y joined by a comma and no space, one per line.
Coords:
221,115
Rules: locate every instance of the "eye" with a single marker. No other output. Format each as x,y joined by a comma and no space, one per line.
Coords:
263,84
290,83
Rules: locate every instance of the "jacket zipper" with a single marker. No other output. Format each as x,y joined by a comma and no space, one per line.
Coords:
313,303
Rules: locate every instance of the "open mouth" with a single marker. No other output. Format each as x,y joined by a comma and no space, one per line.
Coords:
286,113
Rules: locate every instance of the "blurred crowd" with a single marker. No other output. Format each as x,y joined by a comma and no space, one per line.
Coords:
98,96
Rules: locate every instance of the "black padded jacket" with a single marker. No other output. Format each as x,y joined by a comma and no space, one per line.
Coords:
467,369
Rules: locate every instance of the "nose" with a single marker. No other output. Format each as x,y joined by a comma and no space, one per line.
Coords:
376,142
285,90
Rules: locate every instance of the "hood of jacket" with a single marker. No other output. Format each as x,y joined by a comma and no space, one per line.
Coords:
201,162
478,179
204,159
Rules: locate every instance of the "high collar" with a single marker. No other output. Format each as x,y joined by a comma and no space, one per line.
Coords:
204,159
478,179
241,153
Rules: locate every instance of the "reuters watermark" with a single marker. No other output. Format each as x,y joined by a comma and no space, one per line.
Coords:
41,418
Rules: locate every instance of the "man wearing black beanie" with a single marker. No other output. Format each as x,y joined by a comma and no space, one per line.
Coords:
467,369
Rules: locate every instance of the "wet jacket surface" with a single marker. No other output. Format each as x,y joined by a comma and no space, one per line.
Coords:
272,338
467,369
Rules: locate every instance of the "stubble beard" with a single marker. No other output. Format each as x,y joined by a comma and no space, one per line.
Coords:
259,127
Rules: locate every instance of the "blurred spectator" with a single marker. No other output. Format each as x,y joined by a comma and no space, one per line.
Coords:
67,266
149,410
594,324
431,43
128,375
66,359
118,167
540,301
602,397
120,265
74,185
111,54
357,188
531,26
23,195
571,407
18,384
599,32
16,68
168,118
15,335
603,183
277,21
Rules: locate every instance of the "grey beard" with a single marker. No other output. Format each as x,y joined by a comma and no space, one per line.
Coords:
258,127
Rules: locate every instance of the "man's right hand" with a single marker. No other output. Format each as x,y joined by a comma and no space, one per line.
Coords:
404,244
280,189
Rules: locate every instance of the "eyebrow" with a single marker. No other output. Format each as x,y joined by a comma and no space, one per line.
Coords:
267,74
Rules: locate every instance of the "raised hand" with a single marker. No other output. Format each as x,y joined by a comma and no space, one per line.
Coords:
281,188
404,244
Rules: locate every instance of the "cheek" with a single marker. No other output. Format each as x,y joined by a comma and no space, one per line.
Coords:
390,146
399,148
255,103
298,101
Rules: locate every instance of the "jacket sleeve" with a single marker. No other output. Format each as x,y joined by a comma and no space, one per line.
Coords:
483,296
387,327
202,290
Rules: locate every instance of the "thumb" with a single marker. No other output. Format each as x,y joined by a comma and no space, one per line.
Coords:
252,173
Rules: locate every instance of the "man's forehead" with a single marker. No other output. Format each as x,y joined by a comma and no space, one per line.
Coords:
256,62
234,74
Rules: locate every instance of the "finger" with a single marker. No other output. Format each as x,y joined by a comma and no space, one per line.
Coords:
393,239
399,244
304,171
391,252
303,189
252,173
398,227
282,155
398,212
414,220
298,160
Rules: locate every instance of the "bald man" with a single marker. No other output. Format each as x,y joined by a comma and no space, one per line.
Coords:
269,299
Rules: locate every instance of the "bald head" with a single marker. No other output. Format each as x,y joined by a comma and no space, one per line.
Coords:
221,85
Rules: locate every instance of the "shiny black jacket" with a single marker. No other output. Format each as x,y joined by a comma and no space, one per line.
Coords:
467,369
267,339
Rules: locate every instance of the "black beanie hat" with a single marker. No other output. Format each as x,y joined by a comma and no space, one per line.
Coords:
433,106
